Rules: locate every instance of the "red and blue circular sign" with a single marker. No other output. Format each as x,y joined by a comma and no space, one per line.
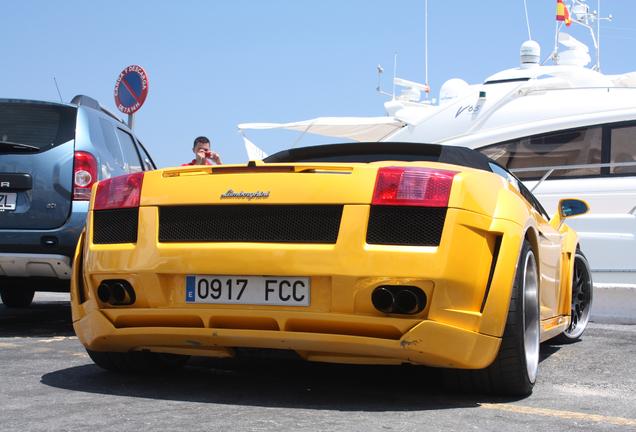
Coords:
131,89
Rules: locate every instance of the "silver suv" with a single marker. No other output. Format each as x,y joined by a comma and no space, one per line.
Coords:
50,156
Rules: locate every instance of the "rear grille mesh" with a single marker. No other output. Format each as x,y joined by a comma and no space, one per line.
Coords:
115,226
388,225
406,226
250,223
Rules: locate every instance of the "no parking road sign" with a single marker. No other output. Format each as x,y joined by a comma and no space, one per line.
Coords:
131,89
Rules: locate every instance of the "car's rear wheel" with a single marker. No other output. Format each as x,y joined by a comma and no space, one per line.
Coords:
514,370
17,297
581,300
138,361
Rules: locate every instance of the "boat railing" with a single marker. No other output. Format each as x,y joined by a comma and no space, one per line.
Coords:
550,169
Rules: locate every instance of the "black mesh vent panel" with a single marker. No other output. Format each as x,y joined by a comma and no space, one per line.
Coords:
406,226
115,226
250,223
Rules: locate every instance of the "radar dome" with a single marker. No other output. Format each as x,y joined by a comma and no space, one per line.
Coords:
530,53
451,89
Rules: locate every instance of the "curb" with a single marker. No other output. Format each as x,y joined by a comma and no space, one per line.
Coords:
614,304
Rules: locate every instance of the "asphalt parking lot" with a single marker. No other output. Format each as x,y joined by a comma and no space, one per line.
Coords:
49,383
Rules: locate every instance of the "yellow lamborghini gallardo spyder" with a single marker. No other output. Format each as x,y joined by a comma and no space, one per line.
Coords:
365,253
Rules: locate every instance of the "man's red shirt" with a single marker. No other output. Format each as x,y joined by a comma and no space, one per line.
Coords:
194,161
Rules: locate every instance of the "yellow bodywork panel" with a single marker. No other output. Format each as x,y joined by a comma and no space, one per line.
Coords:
466,279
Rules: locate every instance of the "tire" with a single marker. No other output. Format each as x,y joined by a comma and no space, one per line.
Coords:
138,361
581,306
514,370
17,297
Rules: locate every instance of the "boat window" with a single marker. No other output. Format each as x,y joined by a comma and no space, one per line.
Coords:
509,80
555,150
623,150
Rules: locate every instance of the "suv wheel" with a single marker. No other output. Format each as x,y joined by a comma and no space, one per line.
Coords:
17,297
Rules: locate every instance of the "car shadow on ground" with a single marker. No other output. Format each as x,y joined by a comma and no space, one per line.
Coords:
280,383
252,381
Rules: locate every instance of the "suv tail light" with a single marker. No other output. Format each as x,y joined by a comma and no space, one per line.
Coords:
119,192
406,186
84,175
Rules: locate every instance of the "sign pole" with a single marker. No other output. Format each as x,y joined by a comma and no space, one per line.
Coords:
131,121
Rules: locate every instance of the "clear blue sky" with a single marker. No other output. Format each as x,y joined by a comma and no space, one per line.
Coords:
215,64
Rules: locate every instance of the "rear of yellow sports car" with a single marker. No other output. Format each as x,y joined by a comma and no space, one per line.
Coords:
377,263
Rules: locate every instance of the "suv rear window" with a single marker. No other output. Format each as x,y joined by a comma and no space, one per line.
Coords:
37,125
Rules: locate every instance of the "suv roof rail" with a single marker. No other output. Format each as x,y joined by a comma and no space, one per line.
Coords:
92,103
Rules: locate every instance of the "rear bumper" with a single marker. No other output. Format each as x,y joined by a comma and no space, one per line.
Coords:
42,253
460,327
429,343
35,265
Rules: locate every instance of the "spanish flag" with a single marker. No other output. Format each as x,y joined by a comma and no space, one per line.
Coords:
562,13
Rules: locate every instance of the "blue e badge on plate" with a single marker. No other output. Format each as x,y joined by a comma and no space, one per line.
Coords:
190,284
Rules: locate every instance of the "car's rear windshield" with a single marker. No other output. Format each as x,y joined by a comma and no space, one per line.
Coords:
25,125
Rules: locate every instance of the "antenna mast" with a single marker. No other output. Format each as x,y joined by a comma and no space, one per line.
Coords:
394,73
426,44
528,19
598,40
580,14
58,89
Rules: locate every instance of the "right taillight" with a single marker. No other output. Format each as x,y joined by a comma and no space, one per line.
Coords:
119,192
410,186
84,175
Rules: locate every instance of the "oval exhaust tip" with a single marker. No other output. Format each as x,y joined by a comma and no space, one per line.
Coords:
407,302
103,293
383,300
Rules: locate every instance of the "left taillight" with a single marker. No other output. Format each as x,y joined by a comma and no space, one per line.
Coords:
119,192
411,186
84,175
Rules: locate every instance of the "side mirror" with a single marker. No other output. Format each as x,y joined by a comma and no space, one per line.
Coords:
572,207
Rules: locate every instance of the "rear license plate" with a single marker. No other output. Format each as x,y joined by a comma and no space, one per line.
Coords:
7,201
248,290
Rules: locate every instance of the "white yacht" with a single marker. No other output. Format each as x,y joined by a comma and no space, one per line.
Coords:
566,130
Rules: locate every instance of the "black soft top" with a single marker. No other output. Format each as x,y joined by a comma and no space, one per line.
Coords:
366,152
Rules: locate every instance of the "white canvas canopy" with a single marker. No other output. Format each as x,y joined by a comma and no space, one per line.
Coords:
359,129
